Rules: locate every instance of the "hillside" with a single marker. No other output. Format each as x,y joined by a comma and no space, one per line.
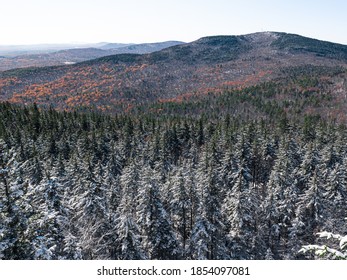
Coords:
191,73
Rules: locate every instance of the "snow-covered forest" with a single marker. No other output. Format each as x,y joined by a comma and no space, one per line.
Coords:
91,186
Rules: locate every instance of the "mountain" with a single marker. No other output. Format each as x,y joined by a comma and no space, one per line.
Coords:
53,57
189,73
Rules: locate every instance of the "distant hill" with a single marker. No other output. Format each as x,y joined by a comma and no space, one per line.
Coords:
187,73
75,55
143,48
16,50
108,46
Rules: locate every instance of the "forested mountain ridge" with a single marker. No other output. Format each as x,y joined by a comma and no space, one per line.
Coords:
211,65
71,55
91,186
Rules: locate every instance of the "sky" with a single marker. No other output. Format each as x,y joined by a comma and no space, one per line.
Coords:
131,21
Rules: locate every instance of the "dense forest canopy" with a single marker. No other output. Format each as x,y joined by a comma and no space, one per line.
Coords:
167,186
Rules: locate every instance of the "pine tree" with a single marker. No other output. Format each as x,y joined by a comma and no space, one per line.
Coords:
336,252
211,217
128,241
89,203
310,209
280,201
201,236
241,204
159,240
180,206
336,196
48,225
15,209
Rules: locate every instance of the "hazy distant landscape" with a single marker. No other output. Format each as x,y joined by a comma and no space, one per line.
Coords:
227,147
51,55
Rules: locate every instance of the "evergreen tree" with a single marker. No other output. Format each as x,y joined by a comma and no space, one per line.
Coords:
240,207
280,201
213,218
159,238
180,206
335,196
201,236
128,242
16,210
89,203
309,213
47,226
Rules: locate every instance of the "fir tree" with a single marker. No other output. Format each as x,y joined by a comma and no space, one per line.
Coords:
159,240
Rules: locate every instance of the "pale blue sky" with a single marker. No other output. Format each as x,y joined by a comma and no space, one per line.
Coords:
66,21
